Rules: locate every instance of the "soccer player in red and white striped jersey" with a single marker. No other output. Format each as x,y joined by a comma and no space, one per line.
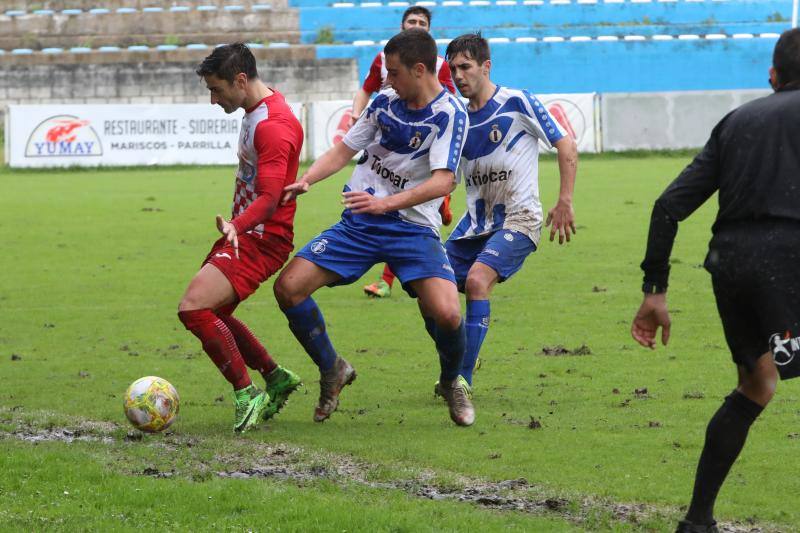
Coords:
413,17
256,242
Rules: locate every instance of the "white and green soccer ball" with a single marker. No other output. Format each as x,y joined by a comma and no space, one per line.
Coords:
151,404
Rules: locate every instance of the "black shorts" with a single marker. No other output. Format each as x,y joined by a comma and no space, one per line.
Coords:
756,277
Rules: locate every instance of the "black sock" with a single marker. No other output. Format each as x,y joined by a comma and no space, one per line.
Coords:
725,437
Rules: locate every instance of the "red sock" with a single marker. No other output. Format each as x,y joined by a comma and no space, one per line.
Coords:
388,275
254,353
218,343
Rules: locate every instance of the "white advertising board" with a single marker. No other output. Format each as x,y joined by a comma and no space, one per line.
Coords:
327,124
577,115
575,112
114,135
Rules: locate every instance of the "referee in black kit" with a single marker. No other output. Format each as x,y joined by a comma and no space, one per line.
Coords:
753,160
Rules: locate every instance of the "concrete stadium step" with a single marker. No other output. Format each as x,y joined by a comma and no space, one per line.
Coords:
439,3
162,76
148,28
86,5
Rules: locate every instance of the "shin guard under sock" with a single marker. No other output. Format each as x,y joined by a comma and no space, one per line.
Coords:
725,438
253,352
477,326
308,325
218,343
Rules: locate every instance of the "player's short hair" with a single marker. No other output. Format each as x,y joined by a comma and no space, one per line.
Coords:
417,10
228,60
786,57
413,46
471,45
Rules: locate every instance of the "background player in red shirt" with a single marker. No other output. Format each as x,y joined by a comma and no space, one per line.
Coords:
413,17
256,242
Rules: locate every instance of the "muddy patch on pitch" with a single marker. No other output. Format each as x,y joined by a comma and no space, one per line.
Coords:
36,435
559,349
246,459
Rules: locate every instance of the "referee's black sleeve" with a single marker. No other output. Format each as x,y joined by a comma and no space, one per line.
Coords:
682,197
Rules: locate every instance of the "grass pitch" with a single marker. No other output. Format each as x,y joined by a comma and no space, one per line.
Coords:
94,263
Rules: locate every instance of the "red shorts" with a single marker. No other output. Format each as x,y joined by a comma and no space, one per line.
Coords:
258,260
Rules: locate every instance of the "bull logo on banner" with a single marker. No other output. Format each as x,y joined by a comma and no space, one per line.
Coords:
342,120
63,136
569,116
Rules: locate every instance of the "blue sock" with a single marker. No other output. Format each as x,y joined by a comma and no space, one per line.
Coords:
477,327
450,345
308,326
430,327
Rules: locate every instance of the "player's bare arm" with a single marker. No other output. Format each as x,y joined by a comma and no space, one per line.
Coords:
440,184
328,164
360,101
561,218
652,314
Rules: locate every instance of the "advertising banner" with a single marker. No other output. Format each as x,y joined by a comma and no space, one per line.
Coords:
328,121
114,135
577,115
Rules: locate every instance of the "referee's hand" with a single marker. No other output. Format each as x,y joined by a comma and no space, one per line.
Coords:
652,314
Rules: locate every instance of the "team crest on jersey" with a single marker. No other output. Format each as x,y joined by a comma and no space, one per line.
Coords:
495,135
246,171
318,247
416,140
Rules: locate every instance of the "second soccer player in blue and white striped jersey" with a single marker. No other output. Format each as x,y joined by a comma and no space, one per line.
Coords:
499,166
412,139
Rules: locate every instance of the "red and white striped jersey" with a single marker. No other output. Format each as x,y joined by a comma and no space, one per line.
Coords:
269,154
376,78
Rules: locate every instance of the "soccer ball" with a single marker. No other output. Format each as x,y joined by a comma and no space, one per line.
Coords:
151,404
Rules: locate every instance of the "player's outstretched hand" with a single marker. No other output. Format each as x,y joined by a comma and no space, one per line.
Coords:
290,192
229,230
363,202
561,220
652,314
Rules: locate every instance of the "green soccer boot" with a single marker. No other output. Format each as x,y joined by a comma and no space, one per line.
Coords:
281,382
379,289
250,405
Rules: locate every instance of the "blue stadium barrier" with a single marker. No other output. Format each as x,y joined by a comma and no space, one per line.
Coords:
348,23
615,65
371,34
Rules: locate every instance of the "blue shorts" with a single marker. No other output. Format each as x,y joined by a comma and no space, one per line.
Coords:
504,251
357,242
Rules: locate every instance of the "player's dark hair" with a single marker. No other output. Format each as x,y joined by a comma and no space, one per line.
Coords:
471,46
786,57
413,46
417,10
228,60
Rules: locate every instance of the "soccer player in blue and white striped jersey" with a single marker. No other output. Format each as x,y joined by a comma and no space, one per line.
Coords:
499,167
412,137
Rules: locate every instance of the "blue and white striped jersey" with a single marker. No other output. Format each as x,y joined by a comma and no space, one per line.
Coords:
500,165
402,147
